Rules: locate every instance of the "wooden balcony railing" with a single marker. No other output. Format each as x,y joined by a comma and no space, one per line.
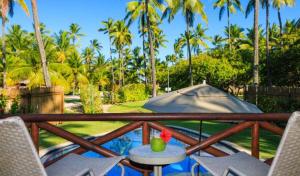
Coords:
150,121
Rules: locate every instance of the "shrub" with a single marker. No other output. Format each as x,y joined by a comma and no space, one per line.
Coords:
3,102
91,99
133,92
15,106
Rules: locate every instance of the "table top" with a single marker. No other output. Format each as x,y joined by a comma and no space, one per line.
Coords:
144,155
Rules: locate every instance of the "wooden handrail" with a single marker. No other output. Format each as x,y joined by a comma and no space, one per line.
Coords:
154,117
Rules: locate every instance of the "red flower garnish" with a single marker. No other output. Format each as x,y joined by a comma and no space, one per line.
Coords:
165,135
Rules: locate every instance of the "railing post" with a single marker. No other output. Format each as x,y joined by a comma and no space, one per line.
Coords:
146,133
255,140
35,135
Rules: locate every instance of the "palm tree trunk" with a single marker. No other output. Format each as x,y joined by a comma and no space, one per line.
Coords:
144,51
187,34
256,56
112,72
3,53
120,69
280,21
267,44
40,43
228,25
152,59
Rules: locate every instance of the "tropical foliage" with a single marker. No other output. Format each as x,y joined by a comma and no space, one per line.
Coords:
223,60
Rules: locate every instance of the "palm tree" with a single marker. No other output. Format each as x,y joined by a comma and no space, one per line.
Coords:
95,45
121,36
199,38
230,6
136,65
159,38
40,43
137,10
277,4
218,50
178,48
7,6
74,32
18,40
189,9
77,70
217,41
237,35
107,29
151,48
63,45
89,55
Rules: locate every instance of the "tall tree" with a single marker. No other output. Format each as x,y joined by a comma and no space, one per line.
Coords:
189,9
95,45
265,4
199,38
121,37
63,45
40,43
230,6
75,32
107,29
77,70
137,10
7,6
256,47
135,65
151,49
278,4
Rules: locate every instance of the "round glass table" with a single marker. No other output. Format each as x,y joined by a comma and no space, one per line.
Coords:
144,155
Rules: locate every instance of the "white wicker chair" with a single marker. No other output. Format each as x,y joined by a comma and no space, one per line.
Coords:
286,161
18,156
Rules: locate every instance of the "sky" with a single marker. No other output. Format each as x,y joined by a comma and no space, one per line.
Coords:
59,14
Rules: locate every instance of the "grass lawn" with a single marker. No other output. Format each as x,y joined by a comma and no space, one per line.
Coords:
128,107
268,141
82,129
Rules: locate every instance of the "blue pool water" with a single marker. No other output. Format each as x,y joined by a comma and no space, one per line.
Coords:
123,144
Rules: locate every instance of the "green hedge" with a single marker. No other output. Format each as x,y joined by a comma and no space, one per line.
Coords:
133,92
278,104
91,99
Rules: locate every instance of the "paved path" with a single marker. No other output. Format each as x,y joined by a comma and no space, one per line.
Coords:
73,104
106,107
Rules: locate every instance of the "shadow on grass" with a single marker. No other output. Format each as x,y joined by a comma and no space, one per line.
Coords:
72,101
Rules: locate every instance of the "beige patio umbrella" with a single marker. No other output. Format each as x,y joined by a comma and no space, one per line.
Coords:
201,98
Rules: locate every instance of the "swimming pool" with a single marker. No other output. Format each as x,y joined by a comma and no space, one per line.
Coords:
123,144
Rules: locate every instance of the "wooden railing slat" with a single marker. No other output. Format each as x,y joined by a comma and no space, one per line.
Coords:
219,136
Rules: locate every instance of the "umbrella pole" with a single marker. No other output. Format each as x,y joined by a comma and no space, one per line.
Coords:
200,138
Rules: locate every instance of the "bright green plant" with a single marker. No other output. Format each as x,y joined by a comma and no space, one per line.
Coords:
15,106
3,102
91,99
133,92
